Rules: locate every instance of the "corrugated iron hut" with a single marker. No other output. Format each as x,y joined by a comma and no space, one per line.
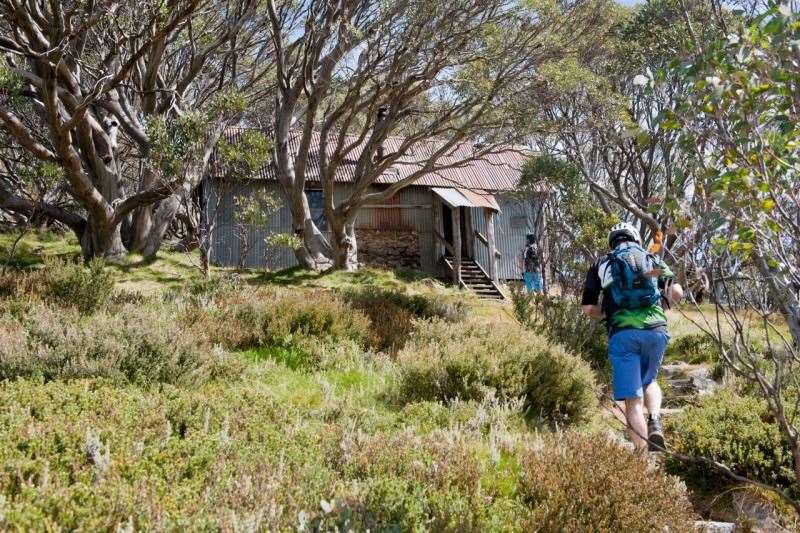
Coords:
459,215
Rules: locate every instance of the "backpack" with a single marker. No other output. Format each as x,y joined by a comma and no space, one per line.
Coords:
531,258
630,288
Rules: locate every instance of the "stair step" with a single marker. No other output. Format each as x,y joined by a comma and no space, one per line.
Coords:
476,280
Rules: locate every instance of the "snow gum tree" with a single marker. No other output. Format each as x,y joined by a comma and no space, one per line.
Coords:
351,73
127,98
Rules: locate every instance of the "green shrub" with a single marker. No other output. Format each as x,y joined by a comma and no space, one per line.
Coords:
392,312
695,348
449,309
11,284
139,344
448,361
563,322
201,292
736,430
586,483
91,456
406,481
301,327
391,325
84,287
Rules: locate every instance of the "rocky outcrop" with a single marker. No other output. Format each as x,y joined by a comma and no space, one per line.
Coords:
708,526
388,249
688,380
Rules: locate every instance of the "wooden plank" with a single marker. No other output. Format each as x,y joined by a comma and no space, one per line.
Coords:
456,246
495,286
482,238
440,239
437,225
397,206
489,213
470,236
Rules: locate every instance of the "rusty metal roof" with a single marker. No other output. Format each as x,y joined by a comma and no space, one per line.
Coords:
498,171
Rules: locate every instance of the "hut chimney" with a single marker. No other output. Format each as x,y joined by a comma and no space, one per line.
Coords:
380,119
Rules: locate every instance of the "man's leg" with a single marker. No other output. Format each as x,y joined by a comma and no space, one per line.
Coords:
626,377
652,356
652,399
637,426
527,277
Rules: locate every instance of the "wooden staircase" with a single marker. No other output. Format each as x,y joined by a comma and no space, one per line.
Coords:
476,280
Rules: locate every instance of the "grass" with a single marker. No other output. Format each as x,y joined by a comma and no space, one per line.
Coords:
34,247
268,447
171,269
290,357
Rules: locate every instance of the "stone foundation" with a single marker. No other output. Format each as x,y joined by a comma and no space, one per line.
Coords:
388,249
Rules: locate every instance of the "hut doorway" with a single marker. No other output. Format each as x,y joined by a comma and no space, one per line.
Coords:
447,228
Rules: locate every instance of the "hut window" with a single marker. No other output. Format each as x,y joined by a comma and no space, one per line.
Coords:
519,222
315,204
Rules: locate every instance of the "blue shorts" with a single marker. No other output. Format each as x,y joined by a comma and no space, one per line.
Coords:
636,356
533,281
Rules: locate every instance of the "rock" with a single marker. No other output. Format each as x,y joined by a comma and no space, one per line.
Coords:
760,513
702,372
686,380
618,438
674,370
692,386
708,526
388,249
703,385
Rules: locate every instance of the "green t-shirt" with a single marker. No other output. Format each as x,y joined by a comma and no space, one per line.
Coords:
598,279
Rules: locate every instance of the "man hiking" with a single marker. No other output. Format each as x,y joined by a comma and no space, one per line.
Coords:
632,281
531,265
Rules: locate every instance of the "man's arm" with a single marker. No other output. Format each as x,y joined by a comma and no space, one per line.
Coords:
672,291
591,294
593,311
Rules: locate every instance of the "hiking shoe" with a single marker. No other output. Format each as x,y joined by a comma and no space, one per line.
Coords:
655,435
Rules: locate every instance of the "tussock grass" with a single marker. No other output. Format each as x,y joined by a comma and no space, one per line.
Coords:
267,402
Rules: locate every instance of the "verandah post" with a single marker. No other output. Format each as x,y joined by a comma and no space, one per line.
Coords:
489,213
456,246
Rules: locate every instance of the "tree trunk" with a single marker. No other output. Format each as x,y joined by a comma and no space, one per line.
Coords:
142,219
796,457
102,238
141,226
345,248
161,220
316,252
99,239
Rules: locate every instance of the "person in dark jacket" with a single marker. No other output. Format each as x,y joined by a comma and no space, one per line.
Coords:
531,264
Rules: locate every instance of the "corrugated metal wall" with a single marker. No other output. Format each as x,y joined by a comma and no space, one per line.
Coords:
516,219
226,248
